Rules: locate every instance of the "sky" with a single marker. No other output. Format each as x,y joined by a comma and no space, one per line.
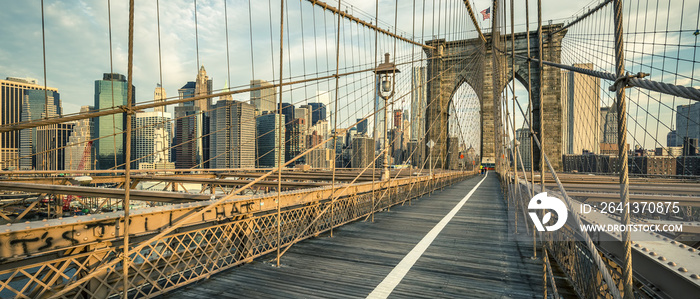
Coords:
78,44
77,41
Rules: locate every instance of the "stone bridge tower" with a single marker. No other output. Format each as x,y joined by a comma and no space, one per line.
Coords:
453,63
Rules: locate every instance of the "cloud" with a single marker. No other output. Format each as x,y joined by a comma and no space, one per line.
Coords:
78,44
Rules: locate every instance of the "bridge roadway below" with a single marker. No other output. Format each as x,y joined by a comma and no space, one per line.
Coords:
472,256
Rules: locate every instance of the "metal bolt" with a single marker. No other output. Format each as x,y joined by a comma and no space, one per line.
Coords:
661,258
681,269
694,276
672,264
645,249
652,253
682,246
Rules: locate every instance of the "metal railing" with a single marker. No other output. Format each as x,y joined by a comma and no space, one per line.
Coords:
199,250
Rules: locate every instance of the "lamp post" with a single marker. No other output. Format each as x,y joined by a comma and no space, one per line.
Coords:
385,72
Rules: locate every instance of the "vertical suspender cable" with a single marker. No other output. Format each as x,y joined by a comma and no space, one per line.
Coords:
228,63
515,144
539,91
386,121
374,98
196,37
43,45
111,83
160,59
335,119
622,151
413,97
250,29
127,151
280,136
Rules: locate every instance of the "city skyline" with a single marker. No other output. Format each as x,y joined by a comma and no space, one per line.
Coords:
181,61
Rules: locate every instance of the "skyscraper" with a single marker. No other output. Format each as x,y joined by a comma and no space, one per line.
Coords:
362,126
150,140
418,102
296,140
580,111
687,122
268,136
233,134
188,132
192,138
50,142
608,125
320,158
318,112
321,129
523,137
13,94
187,91
288,111
78,141
362,151
263,99
398,116
202,87
187,141
110,92
304,112
33,108
672,139
159,96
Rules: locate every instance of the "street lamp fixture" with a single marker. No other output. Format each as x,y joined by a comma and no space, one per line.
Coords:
385,73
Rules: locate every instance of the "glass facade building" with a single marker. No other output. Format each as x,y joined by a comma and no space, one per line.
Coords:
110,92
318,112
13,93
267,130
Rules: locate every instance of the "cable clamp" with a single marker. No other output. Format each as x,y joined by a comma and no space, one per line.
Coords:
127,109
624,80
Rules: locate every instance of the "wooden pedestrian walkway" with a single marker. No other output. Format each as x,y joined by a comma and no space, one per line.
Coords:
400,254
